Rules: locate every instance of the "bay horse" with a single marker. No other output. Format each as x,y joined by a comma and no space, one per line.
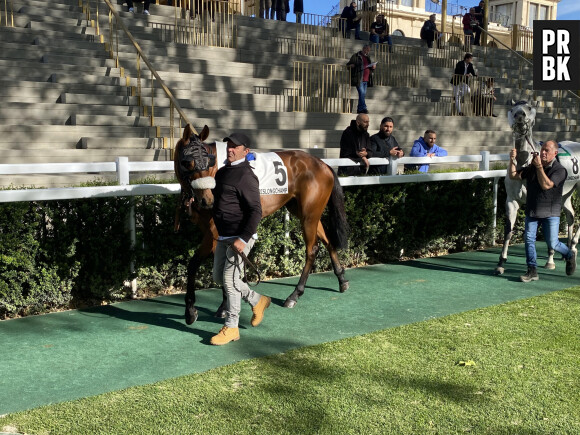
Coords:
312,185
521,119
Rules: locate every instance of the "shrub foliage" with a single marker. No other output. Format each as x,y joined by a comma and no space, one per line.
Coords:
56,254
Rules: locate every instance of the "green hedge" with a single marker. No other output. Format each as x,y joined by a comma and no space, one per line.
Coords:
57,254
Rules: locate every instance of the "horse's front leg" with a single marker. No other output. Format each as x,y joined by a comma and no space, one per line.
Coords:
205,249
511,208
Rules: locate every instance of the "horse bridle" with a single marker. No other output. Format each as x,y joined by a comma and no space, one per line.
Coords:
524,128
200,154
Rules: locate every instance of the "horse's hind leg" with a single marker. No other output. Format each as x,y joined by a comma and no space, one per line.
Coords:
336,266
511,208
310,239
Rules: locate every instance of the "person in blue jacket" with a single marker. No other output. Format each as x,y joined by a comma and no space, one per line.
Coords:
425,147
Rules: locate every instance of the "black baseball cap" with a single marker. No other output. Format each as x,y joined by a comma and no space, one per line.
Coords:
239,139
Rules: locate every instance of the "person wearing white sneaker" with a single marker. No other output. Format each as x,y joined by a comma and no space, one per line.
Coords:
146,4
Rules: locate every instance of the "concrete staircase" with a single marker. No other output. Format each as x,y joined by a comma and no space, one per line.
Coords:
65,100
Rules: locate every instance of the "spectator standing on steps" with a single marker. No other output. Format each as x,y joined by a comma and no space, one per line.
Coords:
361,75
545,178
429,31
265,6
298,10
479,13
469,23
463,71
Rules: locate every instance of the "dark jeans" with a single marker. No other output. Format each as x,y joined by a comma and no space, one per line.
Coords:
349,27
362,92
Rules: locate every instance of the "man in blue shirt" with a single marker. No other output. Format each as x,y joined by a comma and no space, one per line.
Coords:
425,147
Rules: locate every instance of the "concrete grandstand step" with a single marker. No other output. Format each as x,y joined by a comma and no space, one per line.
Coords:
120,143
55,27
75,98
68,136
49,90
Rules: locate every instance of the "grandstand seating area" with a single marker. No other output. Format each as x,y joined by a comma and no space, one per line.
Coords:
65,100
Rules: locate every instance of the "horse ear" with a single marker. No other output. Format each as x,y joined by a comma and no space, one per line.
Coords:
187,133
204,133
513,102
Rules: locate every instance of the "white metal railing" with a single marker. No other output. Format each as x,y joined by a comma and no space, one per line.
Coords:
122,167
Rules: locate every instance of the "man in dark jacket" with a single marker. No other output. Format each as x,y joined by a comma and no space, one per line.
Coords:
352,22
384,145
298,10
236,214
429,31
545,181
355,145
460,80
361,75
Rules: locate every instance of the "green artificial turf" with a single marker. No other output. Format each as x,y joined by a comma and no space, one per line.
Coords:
510,368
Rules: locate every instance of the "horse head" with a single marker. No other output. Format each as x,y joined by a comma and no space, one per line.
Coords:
521,119
195,167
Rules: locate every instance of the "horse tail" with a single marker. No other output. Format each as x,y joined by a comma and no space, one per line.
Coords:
338,229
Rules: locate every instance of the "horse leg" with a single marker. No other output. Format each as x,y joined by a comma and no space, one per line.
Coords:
310,239
221,311
511,209
338,269
205,249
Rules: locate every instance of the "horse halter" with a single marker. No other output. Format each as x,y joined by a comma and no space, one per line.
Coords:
525,127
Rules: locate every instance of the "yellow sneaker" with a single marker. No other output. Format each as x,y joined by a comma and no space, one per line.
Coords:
225,336
259,309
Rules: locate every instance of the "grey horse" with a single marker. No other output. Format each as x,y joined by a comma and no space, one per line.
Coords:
521,119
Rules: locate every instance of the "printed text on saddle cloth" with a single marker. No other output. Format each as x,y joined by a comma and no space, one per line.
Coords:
268,167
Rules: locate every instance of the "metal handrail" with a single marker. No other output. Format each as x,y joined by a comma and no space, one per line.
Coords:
519,55
149,65
4,13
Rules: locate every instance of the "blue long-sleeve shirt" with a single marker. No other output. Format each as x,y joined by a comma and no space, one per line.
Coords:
421,149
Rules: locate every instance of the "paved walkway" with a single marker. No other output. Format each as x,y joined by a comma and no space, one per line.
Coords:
64,356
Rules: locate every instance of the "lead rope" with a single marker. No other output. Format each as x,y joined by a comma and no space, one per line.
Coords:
246,261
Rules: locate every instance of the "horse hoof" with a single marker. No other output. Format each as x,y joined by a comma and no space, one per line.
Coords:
289,303
499,270
344,287
550,266
190,316
220,314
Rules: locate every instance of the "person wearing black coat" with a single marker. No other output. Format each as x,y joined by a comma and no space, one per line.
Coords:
355,144
298,10
352,22
429,31
460,80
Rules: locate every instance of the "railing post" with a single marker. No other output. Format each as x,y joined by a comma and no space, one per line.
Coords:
123,180
484,164
392,168
494,215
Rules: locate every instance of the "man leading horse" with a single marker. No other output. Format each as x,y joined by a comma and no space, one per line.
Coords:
236,213
545,182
